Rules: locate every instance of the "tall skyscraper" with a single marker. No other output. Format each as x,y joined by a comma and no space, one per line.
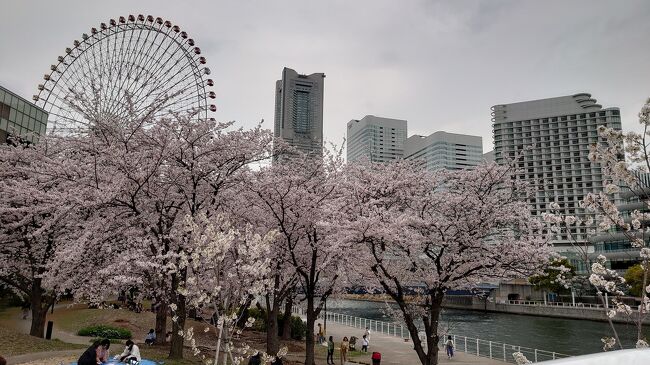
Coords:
554,135
20,117
442,150
299,110
375,138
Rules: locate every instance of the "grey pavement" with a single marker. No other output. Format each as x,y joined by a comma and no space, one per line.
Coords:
394,350
23,325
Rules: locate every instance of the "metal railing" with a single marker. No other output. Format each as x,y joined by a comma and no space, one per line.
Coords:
562,304
470,345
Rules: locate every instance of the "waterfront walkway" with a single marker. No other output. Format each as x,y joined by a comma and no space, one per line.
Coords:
394,351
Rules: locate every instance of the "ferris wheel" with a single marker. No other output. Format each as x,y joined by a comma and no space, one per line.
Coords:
132,67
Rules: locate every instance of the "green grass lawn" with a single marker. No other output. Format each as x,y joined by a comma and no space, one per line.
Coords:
13,343
71,318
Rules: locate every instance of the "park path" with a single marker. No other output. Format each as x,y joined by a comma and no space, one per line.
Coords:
23,326
394,351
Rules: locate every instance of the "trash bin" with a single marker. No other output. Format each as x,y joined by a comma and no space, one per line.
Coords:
376,358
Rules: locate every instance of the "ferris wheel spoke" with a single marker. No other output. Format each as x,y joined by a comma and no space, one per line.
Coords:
166,76
127,81
112,52
173,45
170,89
154,65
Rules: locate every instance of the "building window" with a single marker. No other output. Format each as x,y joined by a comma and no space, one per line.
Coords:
4,111
301,120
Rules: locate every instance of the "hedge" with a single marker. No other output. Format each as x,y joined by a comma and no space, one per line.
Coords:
105,332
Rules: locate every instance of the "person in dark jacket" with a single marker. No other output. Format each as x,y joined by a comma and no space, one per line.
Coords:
93,354
255,359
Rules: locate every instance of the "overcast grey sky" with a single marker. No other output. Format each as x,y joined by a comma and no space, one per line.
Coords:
439,64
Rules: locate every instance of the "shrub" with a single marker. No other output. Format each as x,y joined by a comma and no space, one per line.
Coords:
105,332
298,327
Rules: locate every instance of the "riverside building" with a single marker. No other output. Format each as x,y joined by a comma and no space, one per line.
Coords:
299,111
20,117
442,150
375,138
550,139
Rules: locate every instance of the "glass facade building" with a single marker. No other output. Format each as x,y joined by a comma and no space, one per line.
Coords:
299,111
375,138
442,150
20,117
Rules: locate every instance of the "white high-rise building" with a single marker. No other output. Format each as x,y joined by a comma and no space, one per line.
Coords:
299,110
442,150
553,137
375,138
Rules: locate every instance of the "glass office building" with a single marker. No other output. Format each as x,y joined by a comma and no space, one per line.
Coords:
299,111
442,150
20,117
375,138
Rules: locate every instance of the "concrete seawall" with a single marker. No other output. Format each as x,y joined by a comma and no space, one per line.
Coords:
592,314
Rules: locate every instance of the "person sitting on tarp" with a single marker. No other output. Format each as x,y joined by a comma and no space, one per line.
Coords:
94,355
131,354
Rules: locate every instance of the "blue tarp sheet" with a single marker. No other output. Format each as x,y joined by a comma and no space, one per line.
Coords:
115,362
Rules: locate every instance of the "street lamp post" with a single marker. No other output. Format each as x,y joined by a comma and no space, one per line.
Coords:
325,319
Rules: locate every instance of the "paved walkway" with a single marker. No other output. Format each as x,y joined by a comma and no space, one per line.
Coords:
394,351
23,326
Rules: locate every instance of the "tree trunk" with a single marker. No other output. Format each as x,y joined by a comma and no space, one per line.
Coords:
286,320
176,348
309,338
161,322
430,356
38,306
432,335
272,339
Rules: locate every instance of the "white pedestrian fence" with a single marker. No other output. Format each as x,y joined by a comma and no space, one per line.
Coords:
470,345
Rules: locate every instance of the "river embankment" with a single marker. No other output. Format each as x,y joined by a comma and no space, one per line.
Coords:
553,310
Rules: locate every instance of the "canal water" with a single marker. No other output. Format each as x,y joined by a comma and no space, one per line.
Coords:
567,336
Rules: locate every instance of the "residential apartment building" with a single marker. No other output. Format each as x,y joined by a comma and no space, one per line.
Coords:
299,110
20,117
375,138
442,150
550,138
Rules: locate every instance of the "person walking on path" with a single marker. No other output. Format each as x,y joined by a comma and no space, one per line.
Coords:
449,346
364,343
367,333
345,345
321,335
330,351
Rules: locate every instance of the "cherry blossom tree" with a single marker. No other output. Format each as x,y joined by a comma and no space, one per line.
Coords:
245,207
226,269
152,174
296,196
424,233
40,211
